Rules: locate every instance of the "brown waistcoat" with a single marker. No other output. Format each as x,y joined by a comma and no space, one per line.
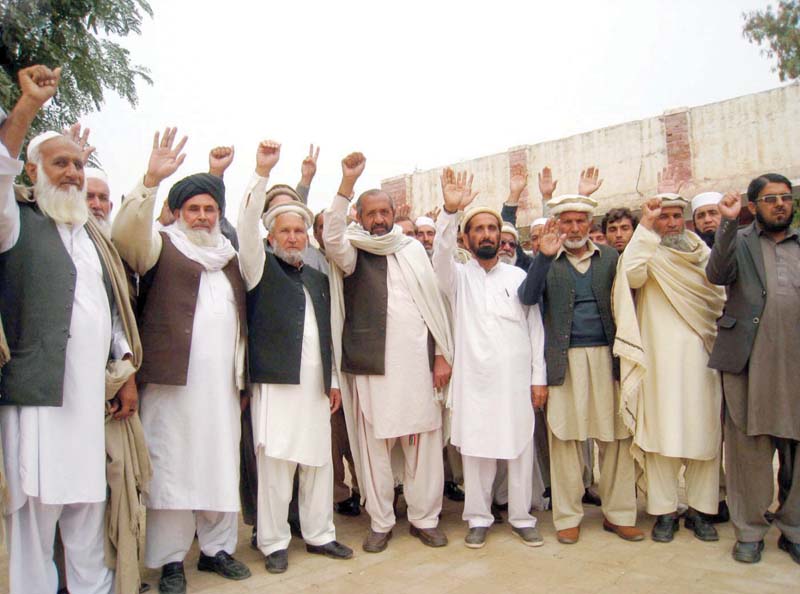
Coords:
167,318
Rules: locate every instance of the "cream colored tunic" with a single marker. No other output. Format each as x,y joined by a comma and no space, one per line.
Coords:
681,398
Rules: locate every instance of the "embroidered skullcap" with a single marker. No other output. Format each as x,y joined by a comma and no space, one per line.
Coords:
476,210
509,228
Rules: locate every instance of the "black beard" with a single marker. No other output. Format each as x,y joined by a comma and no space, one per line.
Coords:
486,252
708,237
774,227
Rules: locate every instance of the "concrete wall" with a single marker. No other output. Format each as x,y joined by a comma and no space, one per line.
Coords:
720,146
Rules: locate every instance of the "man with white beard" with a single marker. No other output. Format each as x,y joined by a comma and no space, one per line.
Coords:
98,198
75,309
193,333
425,233
509,238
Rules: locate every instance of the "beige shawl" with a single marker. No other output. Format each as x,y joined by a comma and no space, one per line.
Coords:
682,278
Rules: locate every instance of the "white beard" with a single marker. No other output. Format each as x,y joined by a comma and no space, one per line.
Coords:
577,244
104,224
291,257
200,237
678,242
506,259
63,206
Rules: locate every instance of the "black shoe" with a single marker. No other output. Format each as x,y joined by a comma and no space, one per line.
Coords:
790,547
62,591
699,524
723,514
453,492
254,539
144,587
333,549
665,527
278,562
348,507
548,497
225,565
748,552
591,498
173,579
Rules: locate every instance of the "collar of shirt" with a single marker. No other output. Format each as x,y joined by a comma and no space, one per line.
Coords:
584,256
791,233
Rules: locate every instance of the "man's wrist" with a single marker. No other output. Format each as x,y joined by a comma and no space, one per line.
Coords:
306,181
346,188
263,171
150,181
448,211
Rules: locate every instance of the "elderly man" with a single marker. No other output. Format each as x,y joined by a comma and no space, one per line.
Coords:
426,232
509,240
671,398
290,372
193,325
706,216
618,226
98,198
493,387
72,340
395,351
407,226
572,278
536,233
756,350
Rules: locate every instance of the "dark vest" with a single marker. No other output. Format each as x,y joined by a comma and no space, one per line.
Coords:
168,299
559,306
37,290
366,297
276,309
587,324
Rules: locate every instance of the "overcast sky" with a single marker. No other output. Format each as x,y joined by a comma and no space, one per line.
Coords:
413,85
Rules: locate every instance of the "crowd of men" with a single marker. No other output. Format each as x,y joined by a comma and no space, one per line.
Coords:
173,361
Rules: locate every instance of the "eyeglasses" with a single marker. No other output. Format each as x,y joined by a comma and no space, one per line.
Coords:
510,244
773,198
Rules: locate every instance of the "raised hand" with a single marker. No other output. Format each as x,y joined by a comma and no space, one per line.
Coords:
309,167
547,185
219,159
730,206
457,190
669,181
434,213
550,241
39,83
82,140
164,159
651,210
589,183
518,183
352,168
267,156
402,210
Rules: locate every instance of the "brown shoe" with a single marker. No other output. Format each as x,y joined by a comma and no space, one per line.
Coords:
376,541
433,537
631,533
569,536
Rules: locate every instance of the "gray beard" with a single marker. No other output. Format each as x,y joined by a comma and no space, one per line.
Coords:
63,206
291,257
200,237
678,242
506,259
577,244
104,224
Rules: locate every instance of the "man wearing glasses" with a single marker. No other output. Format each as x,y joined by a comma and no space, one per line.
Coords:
756,350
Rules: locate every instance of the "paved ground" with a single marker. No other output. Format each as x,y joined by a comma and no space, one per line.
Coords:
600,563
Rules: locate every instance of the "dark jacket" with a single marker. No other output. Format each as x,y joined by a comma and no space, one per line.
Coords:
550,284
509,215
736,261
276,309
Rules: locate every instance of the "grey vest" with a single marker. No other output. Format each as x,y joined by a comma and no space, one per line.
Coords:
559,305
37,290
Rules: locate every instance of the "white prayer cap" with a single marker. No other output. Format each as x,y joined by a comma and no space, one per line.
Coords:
539,221
476,210
705,199
95,173
668,199
424,222
37,141
571,203
295,207
509,228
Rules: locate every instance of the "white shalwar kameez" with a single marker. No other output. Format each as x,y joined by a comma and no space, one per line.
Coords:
499,355
192,434
54,456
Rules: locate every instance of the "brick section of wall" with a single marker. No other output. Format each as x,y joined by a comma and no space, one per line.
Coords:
679,152
519,158
396,188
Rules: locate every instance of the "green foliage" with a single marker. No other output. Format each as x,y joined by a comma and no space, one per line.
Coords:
77,35
780,32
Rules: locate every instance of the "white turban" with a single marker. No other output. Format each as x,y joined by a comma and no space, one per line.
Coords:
36,142
705,199
571,203
295,207
539,221
424,222
509,228
95,173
